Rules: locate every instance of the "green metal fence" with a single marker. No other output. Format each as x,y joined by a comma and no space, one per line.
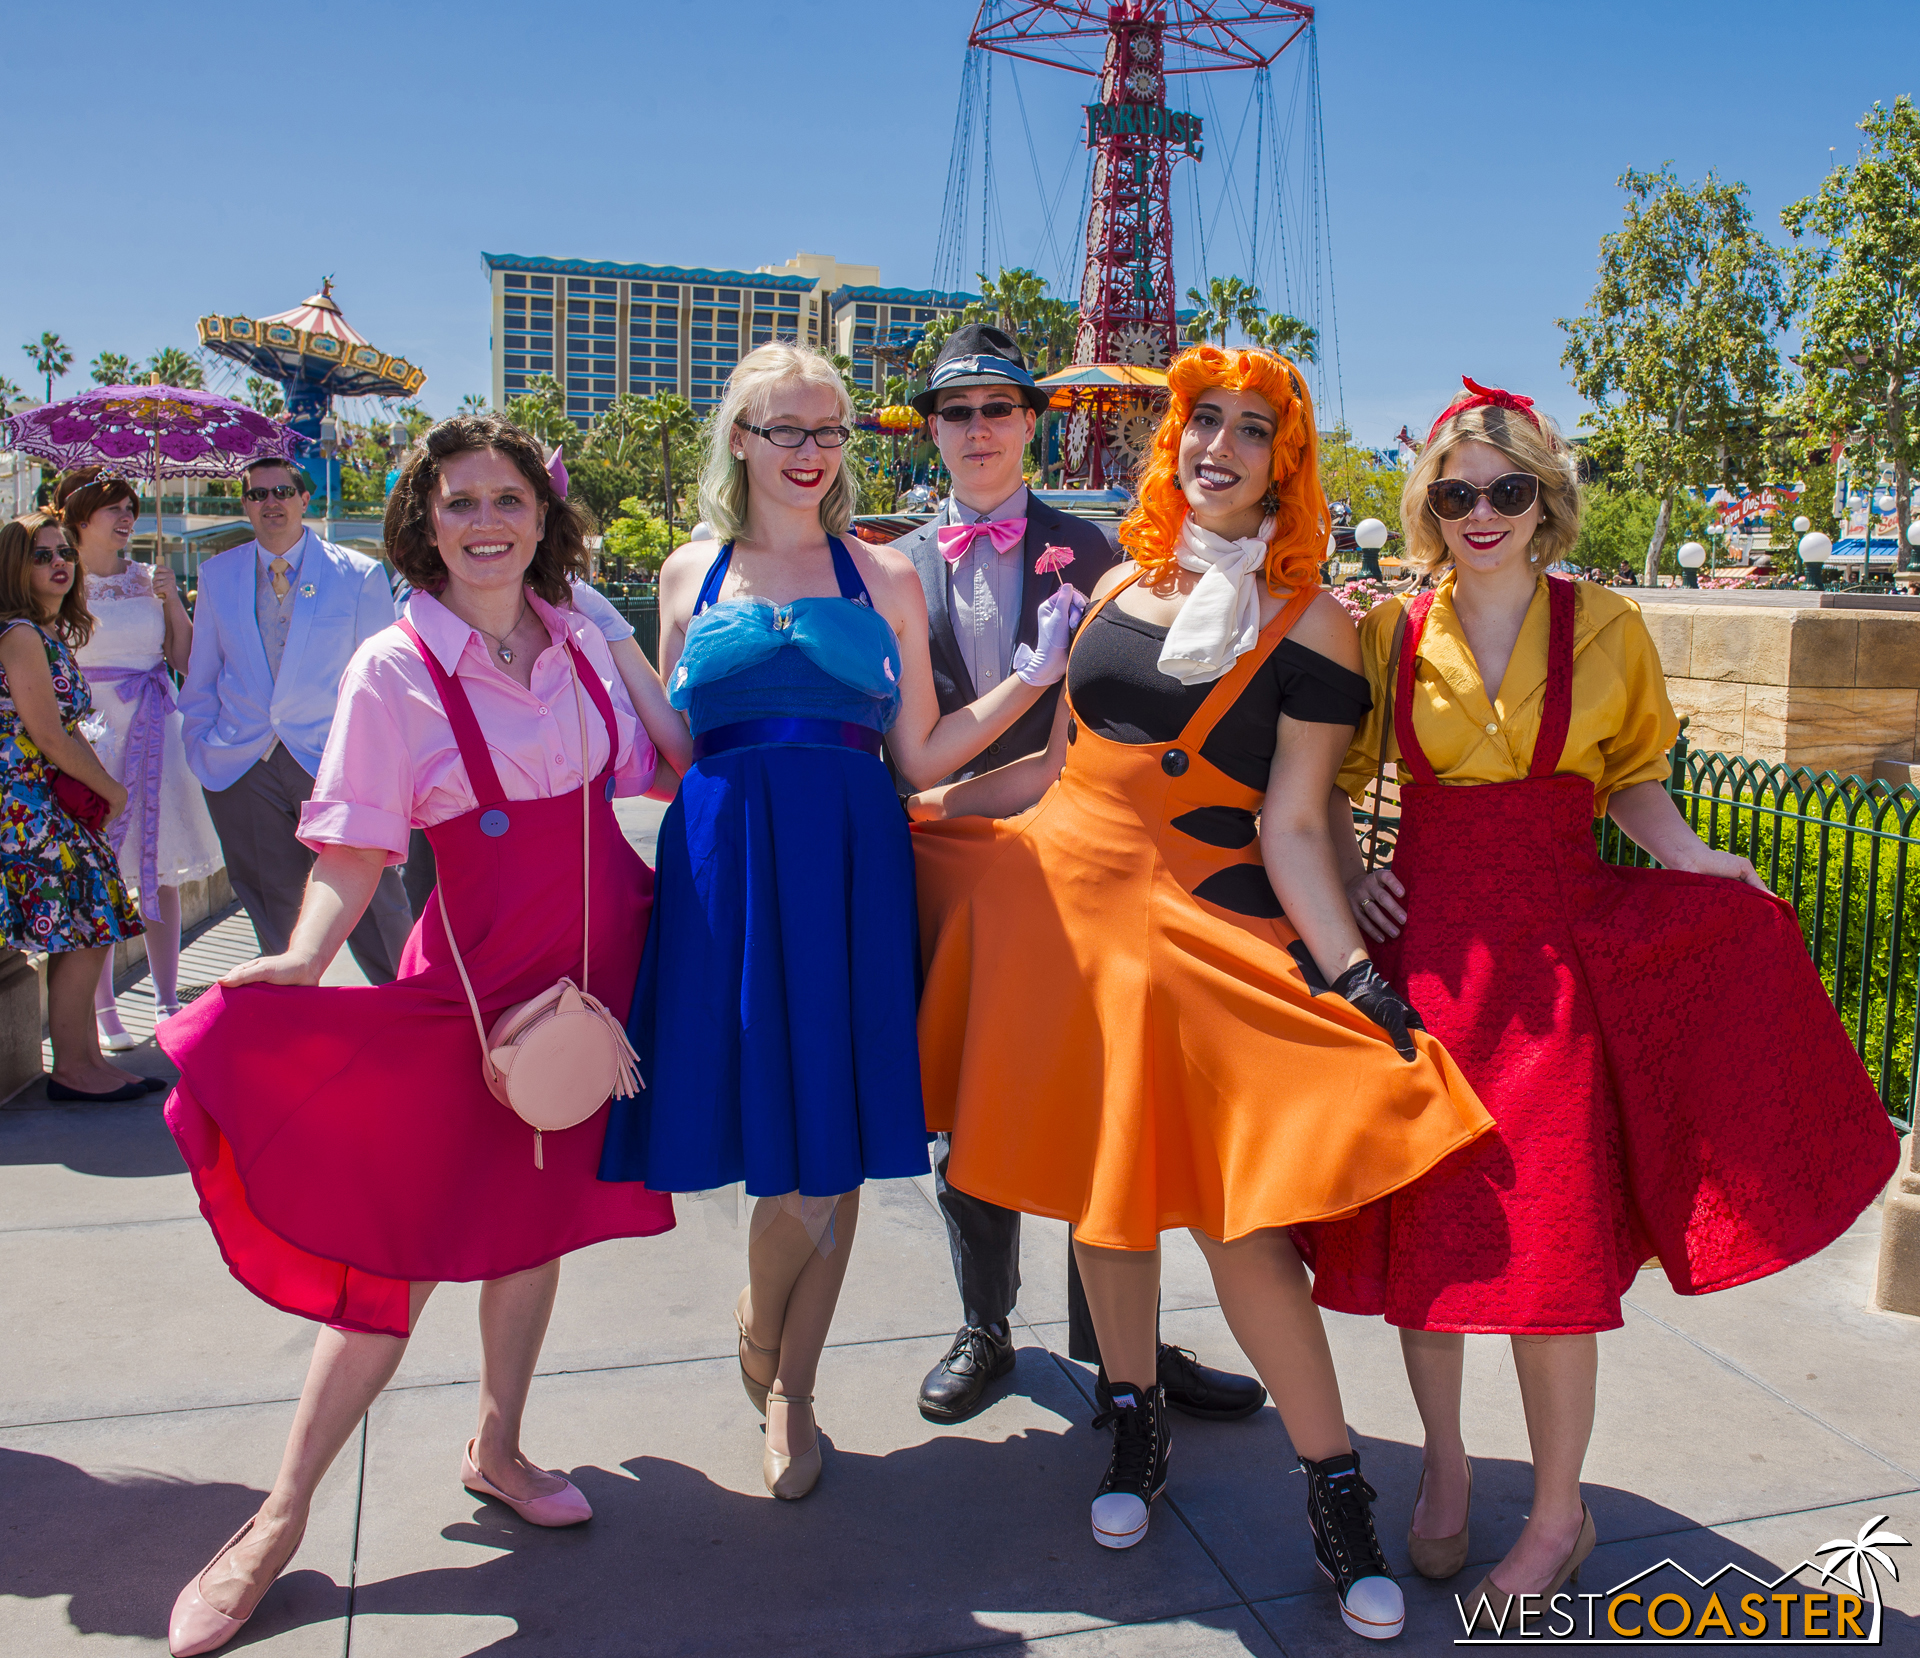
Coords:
641,607
1844,851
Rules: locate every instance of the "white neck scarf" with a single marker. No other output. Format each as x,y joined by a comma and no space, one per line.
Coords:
1221,618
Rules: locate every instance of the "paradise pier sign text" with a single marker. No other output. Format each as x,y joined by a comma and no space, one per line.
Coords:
1144,121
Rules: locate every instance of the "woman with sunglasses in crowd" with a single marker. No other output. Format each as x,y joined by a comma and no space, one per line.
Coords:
774,1016
1639,1110
60,886
1146,1003
140,630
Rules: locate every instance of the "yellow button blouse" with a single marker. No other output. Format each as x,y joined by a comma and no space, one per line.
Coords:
1622,724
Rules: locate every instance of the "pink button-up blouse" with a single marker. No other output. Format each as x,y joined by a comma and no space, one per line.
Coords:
391,763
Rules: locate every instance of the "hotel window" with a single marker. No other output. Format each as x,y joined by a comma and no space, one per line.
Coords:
863,313
515,281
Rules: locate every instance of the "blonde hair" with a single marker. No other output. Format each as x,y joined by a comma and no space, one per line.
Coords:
751,390
1537,449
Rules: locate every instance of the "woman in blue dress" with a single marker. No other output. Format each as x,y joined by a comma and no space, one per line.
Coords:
774,1016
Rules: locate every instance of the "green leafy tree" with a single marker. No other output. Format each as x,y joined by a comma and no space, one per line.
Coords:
667,424
1860,347
1355,475
1229,302
637,538
51,358
176,368
265,395
10,394
472,404
111,368
1677,352
1617,524
1286,336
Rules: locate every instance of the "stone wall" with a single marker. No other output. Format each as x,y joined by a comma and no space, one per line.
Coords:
1832,689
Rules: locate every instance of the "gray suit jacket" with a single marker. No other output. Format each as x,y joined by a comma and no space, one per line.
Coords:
1095,552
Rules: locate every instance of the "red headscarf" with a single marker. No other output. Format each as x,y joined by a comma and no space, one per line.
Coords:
1478,396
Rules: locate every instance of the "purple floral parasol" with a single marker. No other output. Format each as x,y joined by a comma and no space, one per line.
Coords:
149,432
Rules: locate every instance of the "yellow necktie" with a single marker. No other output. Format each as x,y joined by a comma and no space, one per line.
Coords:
281,585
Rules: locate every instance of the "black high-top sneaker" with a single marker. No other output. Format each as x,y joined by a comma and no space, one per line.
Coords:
1340,1515
1138,1472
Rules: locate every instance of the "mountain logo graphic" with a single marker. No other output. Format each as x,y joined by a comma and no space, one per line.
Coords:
1837,1605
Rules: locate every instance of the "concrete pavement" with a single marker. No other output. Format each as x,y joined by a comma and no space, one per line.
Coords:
144,1397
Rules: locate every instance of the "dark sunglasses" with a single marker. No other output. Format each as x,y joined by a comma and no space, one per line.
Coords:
792,437
1509,495
959,414
279,492
46,555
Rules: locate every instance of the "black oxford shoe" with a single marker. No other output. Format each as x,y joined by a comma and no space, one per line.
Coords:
956,1387
1194,1389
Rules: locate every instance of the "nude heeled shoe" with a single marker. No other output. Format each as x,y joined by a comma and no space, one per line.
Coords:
756,1389
566,1507
791,1477
194,1626
1491,1604
1440,1558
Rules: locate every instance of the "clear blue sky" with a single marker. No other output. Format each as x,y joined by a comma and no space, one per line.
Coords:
1472,149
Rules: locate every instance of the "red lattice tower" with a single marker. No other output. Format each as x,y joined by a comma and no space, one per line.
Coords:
1128,300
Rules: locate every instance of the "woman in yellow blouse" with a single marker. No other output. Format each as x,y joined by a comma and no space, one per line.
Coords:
1636,1113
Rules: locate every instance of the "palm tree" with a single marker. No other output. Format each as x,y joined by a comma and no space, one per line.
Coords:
176,368
667,419
265,395
1287,336
10,394
111,368
472,404
542,412
1228,303
51,358
1852,1554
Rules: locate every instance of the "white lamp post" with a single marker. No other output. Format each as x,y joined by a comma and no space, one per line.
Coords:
1691,556
1815,550
1802,525
329,447
1371,534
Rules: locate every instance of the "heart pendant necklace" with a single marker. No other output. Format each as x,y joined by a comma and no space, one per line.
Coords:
500,647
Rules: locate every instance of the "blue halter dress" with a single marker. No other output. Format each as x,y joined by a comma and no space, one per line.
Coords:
774,1014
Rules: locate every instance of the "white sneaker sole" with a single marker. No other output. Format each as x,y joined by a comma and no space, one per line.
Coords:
1365,1627
1120,1537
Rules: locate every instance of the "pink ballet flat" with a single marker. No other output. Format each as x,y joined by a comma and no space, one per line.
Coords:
197,1627
566,1507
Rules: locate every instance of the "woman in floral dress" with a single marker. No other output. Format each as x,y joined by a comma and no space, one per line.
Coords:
60,885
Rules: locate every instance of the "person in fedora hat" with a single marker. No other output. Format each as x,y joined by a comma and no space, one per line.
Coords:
976,564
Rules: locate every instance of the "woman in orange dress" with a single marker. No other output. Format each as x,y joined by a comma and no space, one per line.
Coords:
1632,1121
1146,1003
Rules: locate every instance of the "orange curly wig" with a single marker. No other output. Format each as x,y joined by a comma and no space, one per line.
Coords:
1151,531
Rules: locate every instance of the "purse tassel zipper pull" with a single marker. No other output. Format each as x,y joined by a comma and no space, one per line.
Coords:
539,1158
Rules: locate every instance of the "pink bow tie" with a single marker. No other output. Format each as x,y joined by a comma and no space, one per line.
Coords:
955,539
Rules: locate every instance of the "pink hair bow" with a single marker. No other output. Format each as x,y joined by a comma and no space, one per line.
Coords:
955,539
557,471
1478,396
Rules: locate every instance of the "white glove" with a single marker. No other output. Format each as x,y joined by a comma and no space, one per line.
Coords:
1060,614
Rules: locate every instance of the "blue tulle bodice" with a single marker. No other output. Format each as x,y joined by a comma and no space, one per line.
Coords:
745,659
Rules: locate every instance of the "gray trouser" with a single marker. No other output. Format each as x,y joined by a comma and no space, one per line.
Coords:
985,1242
257,821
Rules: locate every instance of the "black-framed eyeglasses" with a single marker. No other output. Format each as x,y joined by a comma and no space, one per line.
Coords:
957,414
1510,494
792,437
46,555
279,492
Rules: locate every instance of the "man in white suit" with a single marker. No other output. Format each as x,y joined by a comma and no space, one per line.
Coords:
274,626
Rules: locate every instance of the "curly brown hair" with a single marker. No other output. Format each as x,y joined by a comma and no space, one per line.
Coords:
562,551
72,622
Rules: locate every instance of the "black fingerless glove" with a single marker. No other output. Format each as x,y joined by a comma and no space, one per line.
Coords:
1363,986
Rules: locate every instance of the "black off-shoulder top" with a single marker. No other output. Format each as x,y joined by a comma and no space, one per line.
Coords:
1118,690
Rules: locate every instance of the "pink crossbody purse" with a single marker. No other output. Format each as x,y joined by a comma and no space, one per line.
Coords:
556,1058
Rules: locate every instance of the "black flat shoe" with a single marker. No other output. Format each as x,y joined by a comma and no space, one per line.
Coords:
137,1089
1194,1389
956,1387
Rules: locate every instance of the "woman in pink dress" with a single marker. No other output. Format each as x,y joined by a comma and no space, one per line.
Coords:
346,1149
